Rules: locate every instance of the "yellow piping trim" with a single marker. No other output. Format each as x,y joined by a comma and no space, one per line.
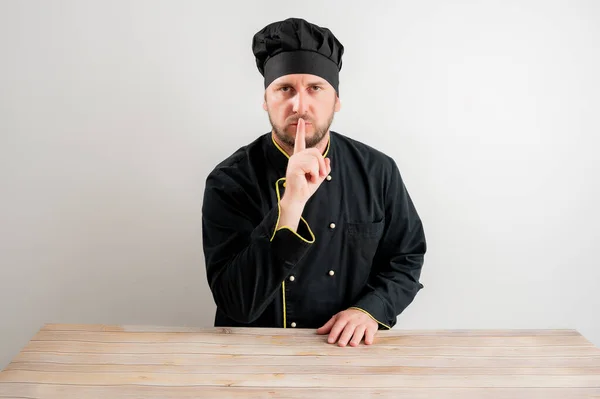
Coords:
371,316
288,227
283,293
273,236
328,145
298,235
278,207
279,148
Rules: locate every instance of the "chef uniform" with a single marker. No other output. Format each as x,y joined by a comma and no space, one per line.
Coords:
360,243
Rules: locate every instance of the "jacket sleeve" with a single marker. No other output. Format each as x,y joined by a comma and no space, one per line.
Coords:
394,280
246,259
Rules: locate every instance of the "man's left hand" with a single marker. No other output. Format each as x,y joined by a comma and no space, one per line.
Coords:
350,325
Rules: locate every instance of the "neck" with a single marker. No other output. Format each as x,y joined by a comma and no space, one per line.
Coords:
289,150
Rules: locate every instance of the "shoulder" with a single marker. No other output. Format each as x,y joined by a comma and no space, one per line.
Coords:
238,164
367,155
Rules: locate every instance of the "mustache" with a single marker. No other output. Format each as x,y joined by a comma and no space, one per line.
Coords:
296,118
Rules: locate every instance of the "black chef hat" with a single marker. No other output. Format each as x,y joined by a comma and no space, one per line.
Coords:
297,46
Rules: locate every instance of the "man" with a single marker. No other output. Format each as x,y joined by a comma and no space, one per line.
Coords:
305,227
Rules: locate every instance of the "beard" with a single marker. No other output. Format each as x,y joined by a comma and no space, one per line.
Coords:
311,141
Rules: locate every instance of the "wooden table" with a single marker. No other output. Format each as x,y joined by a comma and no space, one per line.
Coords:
100,361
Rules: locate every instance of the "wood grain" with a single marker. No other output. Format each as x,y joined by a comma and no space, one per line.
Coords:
162,392
285,340
103,361
317,348
366,359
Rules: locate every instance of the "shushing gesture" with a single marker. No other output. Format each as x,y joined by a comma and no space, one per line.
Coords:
306,170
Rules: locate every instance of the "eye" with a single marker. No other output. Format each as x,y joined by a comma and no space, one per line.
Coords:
317,88
285,89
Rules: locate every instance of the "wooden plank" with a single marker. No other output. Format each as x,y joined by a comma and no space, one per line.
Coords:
295,369
57,391
283,340
366,359
304,331
305,380
395,331
304,350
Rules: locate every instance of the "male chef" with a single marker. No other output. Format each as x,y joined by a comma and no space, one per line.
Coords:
305,227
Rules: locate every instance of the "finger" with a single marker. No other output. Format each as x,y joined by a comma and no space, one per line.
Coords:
359,333
300,143
321,162
346,334
322,166
370,335
328,163
327,326
309,166
337,328
313,171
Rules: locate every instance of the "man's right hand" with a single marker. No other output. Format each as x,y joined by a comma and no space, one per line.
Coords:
306,170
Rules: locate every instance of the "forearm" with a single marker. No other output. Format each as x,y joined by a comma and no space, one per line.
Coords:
388,293
396,269
245,278
290,214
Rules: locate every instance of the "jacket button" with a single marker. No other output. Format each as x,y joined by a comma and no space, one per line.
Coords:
332,225
331,272
293,324
328,177
292,278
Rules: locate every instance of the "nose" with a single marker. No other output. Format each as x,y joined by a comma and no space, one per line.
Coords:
300,102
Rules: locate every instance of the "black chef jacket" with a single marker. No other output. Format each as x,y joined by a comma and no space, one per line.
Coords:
360,243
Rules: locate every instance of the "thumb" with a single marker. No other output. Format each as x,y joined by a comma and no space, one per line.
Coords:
327,326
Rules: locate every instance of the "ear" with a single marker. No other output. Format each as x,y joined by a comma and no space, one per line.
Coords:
265,102
338,103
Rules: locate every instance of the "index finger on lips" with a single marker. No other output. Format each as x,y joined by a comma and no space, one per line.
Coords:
300,142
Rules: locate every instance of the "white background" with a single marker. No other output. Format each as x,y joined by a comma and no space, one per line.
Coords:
112,113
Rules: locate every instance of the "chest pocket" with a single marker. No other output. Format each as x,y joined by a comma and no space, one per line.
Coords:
364,237
365,230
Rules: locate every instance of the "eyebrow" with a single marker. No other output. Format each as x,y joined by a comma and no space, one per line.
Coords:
313,83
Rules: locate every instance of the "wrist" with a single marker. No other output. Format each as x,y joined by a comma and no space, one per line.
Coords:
292,206
290,213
